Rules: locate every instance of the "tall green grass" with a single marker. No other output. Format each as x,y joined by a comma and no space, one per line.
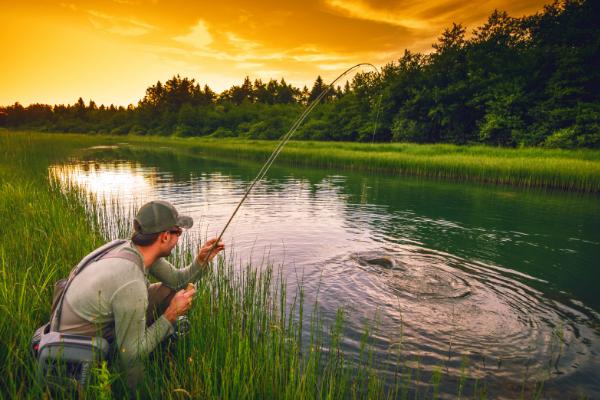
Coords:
42,234
247,339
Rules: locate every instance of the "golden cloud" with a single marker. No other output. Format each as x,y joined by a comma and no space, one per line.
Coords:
125,26
198,37
362,10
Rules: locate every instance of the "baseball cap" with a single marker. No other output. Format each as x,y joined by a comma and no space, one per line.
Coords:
158,216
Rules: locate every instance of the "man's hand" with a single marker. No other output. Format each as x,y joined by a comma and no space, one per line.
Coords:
180,304
203,254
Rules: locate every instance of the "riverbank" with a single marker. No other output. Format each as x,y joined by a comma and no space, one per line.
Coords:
572,170
569,170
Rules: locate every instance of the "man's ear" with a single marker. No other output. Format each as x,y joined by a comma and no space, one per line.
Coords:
163,237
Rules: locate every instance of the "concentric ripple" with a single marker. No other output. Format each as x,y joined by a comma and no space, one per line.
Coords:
423,281
449,308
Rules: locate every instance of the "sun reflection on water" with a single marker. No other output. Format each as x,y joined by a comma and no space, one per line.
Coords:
108,181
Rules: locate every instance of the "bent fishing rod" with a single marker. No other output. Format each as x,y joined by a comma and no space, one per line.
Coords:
283,141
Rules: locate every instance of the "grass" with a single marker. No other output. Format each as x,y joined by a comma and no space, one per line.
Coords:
247,339
572,170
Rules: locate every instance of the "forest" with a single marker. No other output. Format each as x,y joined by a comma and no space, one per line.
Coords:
513,82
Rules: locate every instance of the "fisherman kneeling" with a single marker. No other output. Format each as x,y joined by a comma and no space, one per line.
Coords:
111,297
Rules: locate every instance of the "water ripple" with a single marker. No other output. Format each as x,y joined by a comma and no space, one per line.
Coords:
449,307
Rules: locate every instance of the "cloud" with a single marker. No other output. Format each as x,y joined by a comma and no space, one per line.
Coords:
199,37
119,25
128,2
361,10
247,57
70,6
334,66
424,18
249,65
240,43
269,73
133,2
319,57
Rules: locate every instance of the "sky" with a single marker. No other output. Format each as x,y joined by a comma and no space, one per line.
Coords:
110,51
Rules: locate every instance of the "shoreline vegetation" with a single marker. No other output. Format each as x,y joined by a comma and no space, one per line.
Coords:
559,169
246,339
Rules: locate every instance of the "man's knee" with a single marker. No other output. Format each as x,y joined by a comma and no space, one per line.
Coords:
159,297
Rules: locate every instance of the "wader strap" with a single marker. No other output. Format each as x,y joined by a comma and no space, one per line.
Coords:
127,255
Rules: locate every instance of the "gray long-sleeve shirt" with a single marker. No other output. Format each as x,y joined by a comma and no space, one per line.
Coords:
115,290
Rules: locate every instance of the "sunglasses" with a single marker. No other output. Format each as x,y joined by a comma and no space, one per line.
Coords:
176,231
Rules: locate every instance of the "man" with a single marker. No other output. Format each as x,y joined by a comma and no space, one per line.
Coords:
112,296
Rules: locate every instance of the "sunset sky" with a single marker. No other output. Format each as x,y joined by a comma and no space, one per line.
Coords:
111,51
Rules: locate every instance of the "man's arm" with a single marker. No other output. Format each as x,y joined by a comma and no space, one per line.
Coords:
133,338
176,278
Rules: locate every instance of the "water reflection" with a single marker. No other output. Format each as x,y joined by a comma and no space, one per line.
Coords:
117,180
448,271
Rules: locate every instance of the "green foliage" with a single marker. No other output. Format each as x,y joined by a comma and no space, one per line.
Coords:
406,130
102,379
503,123
564,138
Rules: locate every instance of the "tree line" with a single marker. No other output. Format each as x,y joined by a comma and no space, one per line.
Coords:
529,81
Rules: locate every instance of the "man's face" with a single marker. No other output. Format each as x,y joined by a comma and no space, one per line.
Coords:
169,240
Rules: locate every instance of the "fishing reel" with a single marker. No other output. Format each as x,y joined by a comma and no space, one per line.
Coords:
182,327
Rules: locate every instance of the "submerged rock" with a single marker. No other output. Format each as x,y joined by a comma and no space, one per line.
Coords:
375,259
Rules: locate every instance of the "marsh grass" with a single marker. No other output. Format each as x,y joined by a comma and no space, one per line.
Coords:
42,234
557,169
248,340
575,170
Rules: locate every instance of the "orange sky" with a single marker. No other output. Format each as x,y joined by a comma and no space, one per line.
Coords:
111,51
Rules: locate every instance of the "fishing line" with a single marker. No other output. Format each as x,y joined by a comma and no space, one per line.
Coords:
285,138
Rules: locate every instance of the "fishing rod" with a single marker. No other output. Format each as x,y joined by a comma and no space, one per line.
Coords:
283,141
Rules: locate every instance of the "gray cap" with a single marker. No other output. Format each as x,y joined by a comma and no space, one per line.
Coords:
158,216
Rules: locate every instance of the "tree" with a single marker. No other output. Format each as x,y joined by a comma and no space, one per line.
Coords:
304,96
285,93
317,89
